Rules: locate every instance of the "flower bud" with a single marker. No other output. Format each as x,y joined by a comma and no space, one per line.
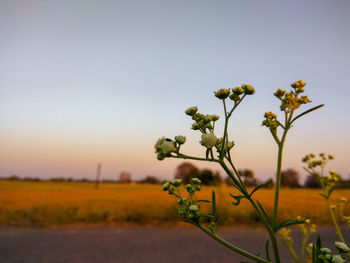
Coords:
248,89
330,156
176,182
234,97
166,186
208,140
230,145
189,188
279,93
160,156
167,147
238,91
197,187
196,181
337,259
214,117
193,208
222,93
180,139
191,111
325,250
195,126
343,200
342,247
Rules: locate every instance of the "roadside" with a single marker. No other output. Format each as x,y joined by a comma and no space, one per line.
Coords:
104,244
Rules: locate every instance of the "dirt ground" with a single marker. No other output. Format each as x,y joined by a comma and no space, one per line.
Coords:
134,244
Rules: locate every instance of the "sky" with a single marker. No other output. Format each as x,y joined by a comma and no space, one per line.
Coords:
83,82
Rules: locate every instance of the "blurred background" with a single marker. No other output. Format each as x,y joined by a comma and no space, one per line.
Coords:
89,82
87,88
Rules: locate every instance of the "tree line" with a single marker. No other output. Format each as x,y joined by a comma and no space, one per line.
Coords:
186,171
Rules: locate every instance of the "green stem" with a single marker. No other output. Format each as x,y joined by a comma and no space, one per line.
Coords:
222,151
183,156
277,186
334,221
267,225
232,247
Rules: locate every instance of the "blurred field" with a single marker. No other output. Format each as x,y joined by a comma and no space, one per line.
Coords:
64,203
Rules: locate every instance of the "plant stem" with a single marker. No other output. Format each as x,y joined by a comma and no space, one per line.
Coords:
277,186
232,247
183,156
334,221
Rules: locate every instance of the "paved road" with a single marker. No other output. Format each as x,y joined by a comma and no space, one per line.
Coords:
134,244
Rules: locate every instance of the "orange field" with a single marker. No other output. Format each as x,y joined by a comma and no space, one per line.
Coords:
64,203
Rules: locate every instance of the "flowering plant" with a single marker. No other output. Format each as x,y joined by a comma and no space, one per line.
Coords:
217,150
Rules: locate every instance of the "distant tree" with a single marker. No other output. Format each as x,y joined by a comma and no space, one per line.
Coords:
248,177
269,183
14,177
124,177
290,178
150,180
312,182
209,178
186,171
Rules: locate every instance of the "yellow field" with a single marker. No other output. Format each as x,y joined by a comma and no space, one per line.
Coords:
58,203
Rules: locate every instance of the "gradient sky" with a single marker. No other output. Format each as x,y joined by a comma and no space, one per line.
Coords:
83,82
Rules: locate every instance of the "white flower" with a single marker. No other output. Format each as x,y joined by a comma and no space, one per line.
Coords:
342,247
337,259
167,147
208,140
193,208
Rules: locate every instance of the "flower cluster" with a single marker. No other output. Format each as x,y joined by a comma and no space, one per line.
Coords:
235,93
202,122
325,255
291,101
328,182
270,121
189,208
165,146
306,229
341,202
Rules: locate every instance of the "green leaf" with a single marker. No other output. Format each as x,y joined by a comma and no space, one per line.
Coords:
267,250
207,216
263,212
213,203
220,220
256,189
306,112
204,201
290,222
237,198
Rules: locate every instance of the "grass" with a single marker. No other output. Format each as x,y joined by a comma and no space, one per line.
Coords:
66,203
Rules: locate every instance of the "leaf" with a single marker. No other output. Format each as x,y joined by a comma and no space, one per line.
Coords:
267,218
207,216
213,203
290,222
306,112
256,189
220,220
267,250
204,201
237,198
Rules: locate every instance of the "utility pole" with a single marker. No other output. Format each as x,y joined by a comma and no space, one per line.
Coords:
98,173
